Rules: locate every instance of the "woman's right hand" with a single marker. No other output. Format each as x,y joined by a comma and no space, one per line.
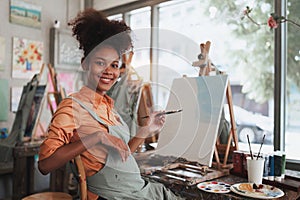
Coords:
116,143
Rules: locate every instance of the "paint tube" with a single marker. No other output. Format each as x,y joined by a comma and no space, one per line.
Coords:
283,165
277,165
271,167
266,167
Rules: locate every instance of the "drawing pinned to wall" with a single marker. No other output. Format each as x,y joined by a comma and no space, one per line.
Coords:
4,94
26,12
2,52
27,57
16,93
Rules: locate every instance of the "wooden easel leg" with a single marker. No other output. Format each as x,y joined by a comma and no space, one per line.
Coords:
217,158
232,141
232,118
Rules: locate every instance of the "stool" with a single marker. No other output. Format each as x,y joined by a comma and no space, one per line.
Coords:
49,196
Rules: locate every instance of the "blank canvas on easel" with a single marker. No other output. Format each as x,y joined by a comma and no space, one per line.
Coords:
192,133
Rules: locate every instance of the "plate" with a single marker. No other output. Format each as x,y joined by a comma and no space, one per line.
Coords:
214,187
261,191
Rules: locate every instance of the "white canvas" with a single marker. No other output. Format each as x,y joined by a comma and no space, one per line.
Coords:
192,133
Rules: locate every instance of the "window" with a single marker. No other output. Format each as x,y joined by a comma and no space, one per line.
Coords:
139,21
239,47
204,21
115,17
292,106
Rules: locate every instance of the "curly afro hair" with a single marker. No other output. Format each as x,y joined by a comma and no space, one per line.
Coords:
91,28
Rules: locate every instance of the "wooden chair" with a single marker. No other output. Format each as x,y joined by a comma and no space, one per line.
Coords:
62,195
81,177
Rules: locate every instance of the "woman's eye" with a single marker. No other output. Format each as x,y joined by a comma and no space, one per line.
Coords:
115,66
100,63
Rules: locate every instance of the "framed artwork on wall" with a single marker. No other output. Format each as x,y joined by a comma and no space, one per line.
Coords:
26,12
27,57
64,52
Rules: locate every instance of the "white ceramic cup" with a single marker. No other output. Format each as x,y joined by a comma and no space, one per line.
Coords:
255,170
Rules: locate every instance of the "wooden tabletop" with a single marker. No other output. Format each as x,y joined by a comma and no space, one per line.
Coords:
191,192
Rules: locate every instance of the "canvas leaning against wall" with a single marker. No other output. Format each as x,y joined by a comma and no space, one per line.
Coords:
26,12
27,58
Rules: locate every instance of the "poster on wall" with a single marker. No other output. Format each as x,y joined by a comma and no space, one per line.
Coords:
27,58
26,12
2,52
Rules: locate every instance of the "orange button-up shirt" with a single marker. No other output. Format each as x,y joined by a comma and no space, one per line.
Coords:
71,120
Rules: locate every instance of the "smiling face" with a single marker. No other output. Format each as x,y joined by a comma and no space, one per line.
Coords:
102,68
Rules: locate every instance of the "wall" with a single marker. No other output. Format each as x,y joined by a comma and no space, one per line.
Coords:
52,10
105,4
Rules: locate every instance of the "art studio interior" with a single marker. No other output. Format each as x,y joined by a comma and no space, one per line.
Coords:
216,80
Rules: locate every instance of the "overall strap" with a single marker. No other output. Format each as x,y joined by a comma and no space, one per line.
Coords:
92,113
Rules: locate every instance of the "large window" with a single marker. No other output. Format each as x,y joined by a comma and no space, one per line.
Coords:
292,126
241,48
139,21
232,52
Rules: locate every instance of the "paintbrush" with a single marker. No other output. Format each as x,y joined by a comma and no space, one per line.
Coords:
262,142
250,147
164,113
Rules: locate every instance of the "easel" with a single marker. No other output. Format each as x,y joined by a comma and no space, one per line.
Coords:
37,122
58,91
206,66
58,178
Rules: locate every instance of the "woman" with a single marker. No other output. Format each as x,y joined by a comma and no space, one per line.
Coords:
85,123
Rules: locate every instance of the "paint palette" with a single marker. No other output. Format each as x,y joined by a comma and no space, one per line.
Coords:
214,187
260,191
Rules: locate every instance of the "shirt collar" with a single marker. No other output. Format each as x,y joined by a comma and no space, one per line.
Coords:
96,98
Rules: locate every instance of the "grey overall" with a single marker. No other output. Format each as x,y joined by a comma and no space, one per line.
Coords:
119,180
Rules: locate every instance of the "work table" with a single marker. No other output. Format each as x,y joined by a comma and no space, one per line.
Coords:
191,192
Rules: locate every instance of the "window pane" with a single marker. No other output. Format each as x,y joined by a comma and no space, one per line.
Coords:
292,135
115,17
140,23
239,47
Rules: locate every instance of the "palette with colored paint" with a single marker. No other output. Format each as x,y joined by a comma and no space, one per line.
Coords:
258,191
214,187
